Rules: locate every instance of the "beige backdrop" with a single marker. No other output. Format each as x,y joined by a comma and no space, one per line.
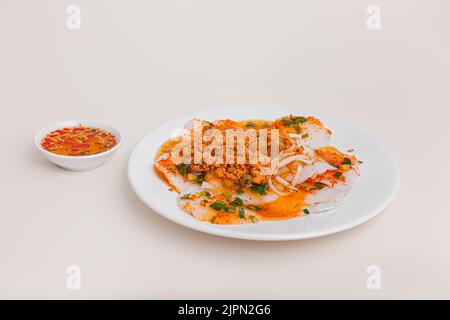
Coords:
136,64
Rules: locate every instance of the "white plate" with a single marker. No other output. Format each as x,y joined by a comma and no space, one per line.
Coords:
372,193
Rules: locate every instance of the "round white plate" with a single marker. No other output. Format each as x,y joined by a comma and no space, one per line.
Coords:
372,193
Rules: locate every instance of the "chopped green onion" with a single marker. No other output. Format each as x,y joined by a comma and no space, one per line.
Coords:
293,121
305,136
337,174
237,202
306,211
218,205
229,209
253,208
213,219
346,161
319,185
182,167
240,191
241,213
186,196
200,178
259,188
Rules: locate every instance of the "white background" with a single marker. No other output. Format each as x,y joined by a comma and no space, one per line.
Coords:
137,64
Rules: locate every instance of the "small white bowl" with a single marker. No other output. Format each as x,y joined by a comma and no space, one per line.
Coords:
77,163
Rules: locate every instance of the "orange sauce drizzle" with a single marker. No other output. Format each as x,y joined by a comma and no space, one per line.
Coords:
285,207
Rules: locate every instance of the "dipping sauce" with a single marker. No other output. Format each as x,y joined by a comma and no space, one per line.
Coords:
78,141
